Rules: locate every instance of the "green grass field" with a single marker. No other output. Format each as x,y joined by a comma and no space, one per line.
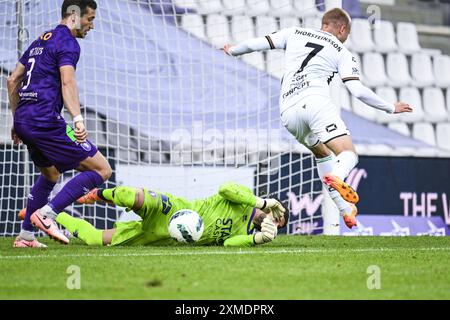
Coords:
293,267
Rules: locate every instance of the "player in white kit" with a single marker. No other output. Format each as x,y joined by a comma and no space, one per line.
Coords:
312,58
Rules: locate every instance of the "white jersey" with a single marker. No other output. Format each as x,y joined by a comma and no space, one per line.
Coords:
312,59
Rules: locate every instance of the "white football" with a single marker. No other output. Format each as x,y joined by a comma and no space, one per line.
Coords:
186,226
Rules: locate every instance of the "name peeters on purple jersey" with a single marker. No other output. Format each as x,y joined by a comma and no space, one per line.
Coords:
41,99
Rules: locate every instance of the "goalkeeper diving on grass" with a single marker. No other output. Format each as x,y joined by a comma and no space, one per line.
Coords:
232,217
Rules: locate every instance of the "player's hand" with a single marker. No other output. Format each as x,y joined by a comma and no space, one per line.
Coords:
268,231
401,107
271,205
14,137
80,132
226,49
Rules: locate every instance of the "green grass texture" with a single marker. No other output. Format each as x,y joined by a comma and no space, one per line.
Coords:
290,268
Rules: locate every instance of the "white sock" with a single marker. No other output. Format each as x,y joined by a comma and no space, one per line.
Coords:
27,235
344,163
48,212
324,166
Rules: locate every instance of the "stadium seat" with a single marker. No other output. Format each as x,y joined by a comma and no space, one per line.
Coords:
186,4
397,70
400,127
275,63
242,28
424,132
384,37
361,36
443,135
265,25
281,7
422,70
363,110
209,6
255,59
378,150
407,38
193,23
234,7
217,30
305,8
434,105
312,22
374,70
287,22
258,7
388,94
441,67
411,96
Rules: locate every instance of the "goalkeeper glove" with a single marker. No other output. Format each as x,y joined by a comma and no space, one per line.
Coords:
268,205
268,232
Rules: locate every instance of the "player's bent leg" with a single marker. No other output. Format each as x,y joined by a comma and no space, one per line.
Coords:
346,160
325,162
123,196
97,163
39,194
346,157
81,229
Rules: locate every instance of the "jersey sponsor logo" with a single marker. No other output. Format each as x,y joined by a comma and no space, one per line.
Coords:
222,230
331,128
355,71
86,146
166,204
296,88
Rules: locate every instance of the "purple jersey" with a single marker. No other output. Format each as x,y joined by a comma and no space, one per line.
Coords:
41,99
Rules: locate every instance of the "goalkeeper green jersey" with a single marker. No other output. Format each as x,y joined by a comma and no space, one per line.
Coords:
227,218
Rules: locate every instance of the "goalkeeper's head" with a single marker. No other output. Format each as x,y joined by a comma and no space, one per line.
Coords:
260,215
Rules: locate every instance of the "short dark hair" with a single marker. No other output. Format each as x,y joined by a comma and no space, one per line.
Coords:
336,16
82,4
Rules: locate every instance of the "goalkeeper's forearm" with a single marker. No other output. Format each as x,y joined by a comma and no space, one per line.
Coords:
369,97
240,194
240,241
250,45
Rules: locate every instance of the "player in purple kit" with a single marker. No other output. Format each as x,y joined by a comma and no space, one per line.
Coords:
42,82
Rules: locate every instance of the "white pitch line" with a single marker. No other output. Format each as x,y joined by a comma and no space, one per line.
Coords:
193,253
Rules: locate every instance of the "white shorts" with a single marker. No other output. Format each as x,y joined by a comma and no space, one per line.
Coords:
313,119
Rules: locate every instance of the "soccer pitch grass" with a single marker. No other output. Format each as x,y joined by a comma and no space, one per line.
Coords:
293,267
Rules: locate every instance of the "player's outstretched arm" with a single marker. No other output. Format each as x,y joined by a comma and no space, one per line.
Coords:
268,232
71,100
247,46
13,84
276,40
370,98
243,195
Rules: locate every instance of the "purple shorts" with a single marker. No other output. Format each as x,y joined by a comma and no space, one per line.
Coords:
54,146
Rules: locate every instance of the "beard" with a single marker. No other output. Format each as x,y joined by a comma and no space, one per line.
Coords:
258,220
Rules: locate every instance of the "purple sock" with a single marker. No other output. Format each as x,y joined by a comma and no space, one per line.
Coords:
37,198
74,189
